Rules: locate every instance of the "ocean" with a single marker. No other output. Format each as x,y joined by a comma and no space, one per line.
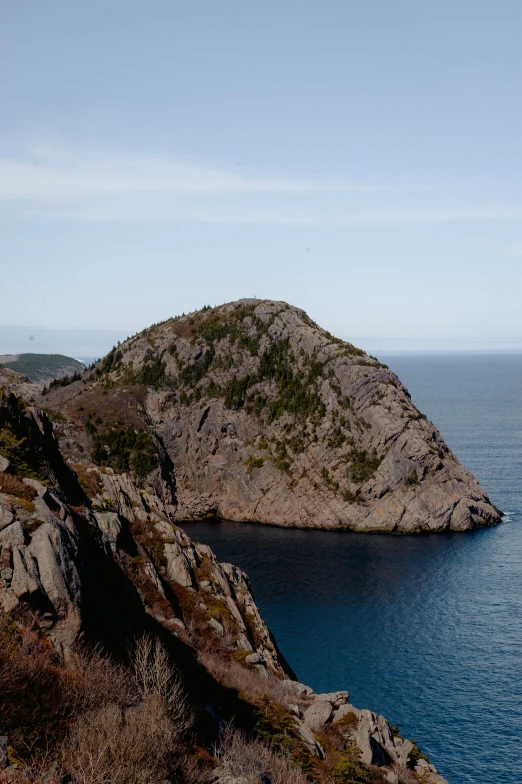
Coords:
426,630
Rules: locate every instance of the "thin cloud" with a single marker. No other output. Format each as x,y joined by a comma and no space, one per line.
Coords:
54,174
89,185
157,211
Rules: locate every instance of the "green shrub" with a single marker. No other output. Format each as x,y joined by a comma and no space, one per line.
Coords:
26,458
363,465
274,725
285,466
329,482
125,449
236,390
351,771
112,360
254,462
152,373
412,478
65,381
190,375
415,755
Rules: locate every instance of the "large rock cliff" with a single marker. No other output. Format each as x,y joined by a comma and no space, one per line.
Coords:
257,414
104,572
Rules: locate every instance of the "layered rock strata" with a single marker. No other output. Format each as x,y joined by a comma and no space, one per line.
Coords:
263,416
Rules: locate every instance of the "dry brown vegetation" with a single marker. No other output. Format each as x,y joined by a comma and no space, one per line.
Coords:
13,485
88,479
142,742
102,721
239,756
40,694
247,681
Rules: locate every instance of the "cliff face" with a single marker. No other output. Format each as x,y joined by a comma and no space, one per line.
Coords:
94,572
263,416
103,573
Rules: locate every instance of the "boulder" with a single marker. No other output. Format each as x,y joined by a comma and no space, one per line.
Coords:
12,535
26,578
318,714
40,489
7,513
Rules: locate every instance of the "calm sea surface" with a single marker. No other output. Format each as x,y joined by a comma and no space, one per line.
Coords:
426,630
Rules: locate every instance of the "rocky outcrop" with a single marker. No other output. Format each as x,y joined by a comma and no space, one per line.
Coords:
379,746
17,382
257,414
104,574
44,564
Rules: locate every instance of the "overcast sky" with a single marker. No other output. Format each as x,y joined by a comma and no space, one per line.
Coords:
358,158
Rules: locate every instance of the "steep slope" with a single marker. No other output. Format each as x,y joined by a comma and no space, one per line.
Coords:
73,571
265,417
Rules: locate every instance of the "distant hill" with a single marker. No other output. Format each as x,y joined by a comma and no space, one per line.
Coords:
42,368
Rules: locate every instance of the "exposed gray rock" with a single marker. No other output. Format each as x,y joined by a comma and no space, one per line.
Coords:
218,627
4,464
133,504
309,739
302,690
26,577
7,514
40,489
340,446
56,554
178,566
12,535
374,738
110,527
318,714
323,708
154,577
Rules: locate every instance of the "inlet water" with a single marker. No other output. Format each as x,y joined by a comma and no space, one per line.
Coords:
426,630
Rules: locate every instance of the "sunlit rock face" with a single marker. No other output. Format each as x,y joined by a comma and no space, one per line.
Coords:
257,414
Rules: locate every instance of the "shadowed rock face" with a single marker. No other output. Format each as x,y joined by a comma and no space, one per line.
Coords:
263,416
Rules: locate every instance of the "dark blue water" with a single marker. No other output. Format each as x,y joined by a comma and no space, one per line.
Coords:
426,630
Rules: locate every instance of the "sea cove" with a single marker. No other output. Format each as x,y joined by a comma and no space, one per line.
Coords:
425,629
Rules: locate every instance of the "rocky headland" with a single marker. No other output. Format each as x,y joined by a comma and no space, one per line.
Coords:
101,592
252,412
248,411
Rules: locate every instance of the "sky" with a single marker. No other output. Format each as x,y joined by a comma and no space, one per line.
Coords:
358,158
